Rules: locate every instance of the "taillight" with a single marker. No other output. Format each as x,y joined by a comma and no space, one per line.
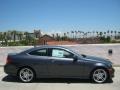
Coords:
8,60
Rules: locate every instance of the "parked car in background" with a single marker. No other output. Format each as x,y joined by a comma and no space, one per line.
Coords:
57,62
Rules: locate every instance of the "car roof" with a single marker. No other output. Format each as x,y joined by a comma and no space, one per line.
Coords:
45,46
49,46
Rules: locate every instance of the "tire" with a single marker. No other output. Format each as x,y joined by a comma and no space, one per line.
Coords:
99,75
26,74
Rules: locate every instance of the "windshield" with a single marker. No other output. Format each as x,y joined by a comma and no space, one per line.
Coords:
76,51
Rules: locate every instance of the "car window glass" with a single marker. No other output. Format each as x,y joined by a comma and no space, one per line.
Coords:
61,53
41,52
57,53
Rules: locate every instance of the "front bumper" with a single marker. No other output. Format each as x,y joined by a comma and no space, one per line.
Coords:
111,72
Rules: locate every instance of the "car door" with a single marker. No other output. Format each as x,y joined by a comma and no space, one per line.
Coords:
62,64
39,60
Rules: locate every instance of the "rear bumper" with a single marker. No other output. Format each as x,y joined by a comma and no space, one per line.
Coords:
10,69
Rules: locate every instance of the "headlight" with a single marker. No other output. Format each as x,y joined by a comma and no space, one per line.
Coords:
110,64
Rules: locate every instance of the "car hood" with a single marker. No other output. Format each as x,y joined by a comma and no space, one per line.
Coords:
96,59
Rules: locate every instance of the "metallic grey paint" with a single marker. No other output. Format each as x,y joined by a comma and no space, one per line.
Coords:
53,67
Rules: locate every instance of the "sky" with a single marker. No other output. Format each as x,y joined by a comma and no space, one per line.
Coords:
59,15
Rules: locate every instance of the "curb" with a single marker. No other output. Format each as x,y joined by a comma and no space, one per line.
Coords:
116,65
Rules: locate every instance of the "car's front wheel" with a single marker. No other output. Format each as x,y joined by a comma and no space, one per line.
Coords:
26,74
99,75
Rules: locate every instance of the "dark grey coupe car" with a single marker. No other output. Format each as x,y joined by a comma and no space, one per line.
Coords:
57,62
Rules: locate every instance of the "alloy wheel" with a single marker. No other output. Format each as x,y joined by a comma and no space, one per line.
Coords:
99,75
26,75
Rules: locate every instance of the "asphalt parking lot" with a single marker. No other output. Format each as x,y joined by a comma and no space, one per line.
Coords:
12,83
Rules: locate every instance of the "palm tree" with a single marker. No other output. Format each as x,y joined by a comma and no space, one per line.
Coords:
65,36
88,34
101,34
9,35
84,35
72,34
115,33
97,33
58,36
76,34
79,34
104,34
26,37
108,33
111,33
53,35
20,36
5,37
14,33
1,38
93,33
119,35
68,34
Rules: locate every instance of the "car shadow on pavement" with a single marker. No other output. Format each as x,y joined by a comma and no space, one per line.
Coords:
9,78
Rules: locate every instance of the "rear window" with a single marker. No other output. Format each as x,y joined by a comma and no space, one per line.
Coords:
40,52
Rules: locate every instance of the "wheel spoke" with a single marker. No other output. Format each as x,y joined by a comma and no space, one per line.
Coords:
26,74
102,78
99,75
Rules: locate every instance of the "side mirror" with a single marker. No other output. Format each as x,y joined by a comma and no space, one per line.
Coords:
75,58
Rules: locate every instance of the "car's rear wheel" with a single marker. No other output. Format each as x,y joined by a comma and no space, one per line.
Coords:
26,74
99,75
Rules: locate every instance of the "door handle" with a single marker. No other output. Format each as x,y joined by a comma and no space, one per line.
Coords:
52,60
